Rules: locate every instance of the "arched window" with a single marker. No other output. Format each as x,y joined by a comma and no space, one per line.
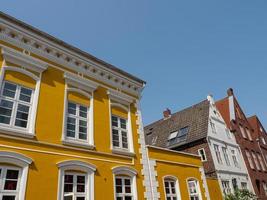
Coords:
194,189
13,175
171,186
19,90
76,180
121,128
125,183
78,120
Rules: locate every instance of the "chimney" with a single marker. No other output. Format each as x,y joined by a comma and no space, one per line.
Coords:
167,113
230,92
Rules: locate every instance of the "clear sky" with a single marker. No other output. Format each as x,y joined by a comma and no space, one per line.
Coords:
184,49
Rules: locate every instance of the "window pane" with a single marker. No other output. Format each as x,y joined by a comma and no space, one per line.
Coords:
118,189
80,179
4,120
68,198
70,134
128,198
21,123
127,189
83,111
10,185
80,198
5,111
80,188
83,123
68,178
123,123
9,90
25,94
115,138
118,181
82,136
68,187
5,197
72,108
114,121
12,174
82,129
71,127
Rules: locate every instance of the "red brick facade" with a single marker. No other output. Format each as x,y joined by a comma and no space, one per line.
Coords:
241,127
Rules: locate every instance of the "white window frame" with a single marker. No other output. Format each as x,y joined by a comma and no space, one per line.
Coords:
254,156
235,159
84,167
202,155
263,167
170,178
123,171
228,189
22,163
30,130
218,153
249,157
120,130
123,101
198,191
226,156
15,102
85,87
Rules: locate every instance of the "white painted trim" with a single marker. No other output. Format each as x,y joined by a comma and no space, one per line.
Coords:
231,108
120,97
21,161
89,169
30,132
177,186
119,170
23,60
80,82
120,106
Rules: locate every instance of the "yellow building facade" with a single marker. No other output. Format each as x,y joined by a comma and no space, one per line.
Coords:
71,128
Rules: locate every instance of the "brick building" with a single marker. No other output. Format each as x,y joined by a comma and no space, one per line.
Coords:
250,138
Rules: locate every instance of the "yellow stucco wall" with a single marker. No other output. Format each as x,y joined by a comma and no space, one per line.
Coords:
214,189
178,165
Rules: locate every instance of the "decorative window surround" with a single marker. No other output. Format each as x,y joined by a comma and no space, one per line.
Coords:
23,163
194,191
126,171
30,63
172,195
87,168
123,101
44,45
75,83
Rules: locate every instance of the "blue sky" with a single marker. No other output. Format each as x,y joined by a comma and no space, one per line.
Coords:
183,49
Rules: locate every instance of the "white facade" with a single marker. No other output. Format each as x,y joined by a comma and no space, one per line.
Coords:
227,157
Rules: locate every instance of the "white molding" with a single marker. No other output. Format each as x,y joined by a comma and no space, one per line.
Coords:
120,97
27,40
80,82
30,132
122,152
23,60
123,170
21,161
177,187
89,169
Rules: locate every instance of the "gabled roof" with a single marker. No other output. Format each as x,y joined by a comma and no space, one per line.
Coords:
196,118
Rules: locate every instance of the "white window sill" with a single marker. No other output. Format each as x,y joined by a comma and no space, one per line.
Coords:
16,132
78,144
123,152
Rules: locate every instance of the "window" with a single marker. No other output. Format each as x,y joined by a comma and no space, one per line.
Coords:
202,154
13,175
249,135
15,105
256,161
178,136
226,157
226,187
213,127
119,133
76,179
170,186
264,188
244,185
77,122
251,164
243,132
261,162
125,183
234,157
218,153
9,183
74,186
194,191
123,188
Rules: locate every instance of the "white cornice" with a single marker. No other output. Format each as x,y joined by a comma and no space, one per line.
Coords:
80,82
22,38
120,97
23,60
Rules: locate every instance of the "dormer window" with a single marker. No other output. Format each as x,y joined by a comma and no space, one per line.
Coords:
178,136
